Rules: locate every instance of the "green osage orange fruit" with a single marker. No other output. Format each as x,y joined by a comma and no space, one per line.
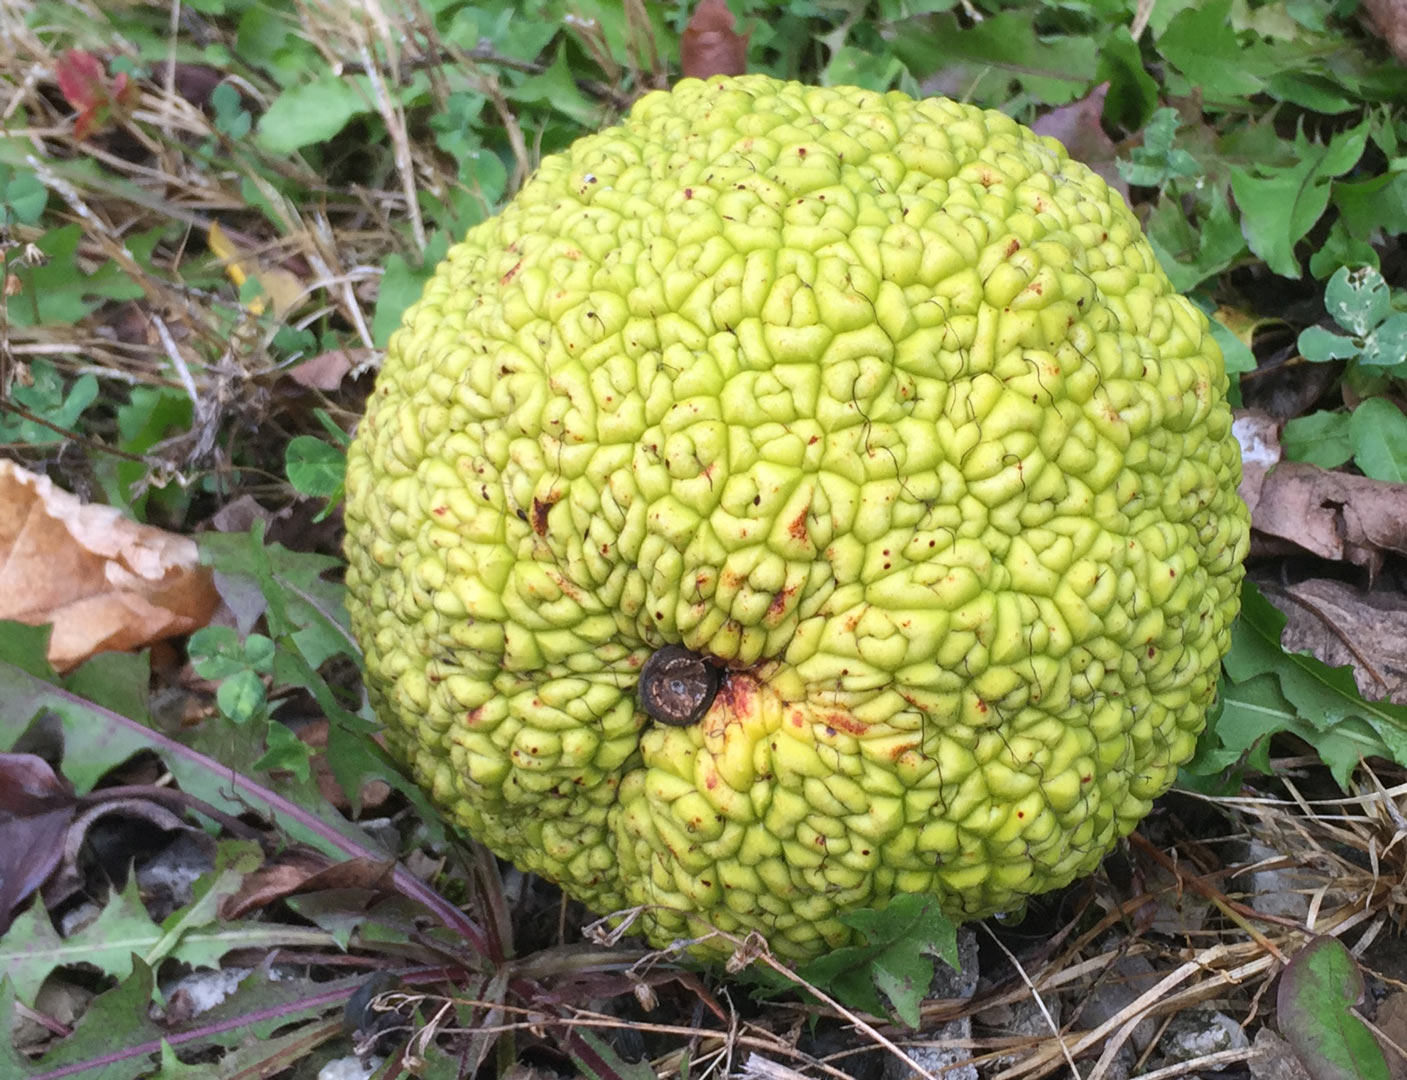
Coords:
883,414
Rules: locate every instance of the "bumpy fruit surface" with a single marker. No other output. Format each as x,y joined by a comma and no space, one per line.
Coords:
884,408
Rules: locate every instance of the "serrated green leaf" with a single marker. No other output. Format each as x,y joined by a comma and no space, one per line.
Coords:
92,748
1191,254
1378,431
1056,70
1279,205
598,1060
1255,710
1200,43
901,941
1157,161
1323,697
1320,438
287,752
556,89
31,949
215,763
1373,207
122,1016
233,860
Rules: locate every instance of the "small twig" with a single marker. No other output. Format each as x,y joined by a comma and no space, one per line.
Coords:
1224,904
1035,995
1210,1061
854,1018
400,144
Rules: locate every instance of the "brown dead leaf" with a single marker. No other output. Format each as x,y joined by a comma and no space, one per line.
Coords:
1342,625
710,45
69,876
303,872
273,881
36,807
1079,127
1332,514
104,581
327,370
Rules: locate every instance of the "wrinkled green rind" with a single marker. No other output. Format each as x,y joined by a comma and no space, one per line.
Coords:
884,403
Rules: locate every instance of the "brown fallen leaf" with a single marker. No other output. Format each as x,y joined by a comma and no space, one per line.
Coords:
36,807
302,872
327,370
1332,514
1341,624
710,45
105,582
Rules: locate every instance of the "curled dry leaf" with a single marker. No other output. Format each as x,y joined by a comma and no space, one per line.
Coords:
1341,624
1332,514
68,877
106,583
302,871
36,807
710,45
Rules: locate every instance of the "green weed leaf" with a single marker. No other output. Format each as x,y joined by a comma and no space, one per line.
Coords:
316,469
1320,438
1323,698
1279,205
231,118
1200,43
1378,431
1321,346
313,112
1157,161
401,286
897,958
